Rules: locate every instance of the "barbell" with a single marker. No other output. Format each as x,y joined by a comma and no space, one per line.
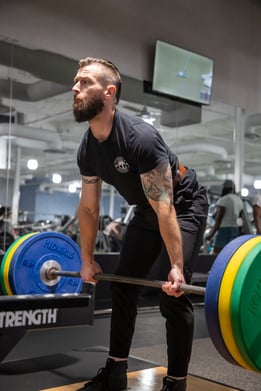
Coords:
52,273
49,262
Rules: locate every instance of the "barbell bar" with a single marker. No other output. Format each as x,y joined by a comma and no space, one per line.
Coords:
38,264
52,273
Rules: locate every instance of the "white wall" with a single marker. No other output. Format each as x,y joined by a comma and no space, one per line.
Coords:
125,32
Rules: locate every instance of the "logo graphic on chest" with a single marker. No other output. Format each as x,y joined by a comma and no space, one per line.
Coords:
121,165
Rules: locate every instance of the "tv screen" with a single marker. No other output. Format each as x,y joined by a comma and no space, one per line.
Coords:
182,73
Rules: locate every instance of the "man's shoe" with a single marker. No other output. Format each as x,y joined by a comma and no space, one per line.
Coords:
111,378
173,384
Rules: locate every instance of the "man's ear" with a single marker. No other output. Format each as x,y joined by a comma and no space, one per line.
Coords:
110,91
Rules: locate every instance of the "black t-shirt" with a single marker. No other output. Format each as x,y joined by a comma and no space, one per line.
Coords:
133,147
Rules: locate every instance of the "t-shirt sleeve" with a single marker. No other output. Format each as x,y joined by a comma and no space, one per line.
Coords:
86,166
220,202
147,148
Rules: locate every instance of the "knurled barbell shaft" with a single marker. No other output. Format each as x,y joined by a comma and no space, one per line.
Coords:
197,290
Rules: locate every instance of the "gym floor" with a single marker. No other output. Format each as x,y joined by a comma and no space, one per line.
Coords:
54,357
61,357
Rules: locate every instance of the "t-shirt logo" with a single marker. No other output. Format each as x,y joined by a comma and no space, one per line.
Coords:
121,165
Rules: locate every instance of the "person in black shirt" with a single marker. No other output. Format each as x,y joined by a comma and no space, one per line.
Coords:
169,219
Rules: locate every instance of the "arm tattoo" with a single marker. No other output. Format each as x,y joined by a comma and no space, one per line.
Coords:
91,181
158,184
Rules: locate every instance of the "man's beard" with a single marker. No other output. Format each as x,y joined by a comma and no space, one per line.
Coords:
86,110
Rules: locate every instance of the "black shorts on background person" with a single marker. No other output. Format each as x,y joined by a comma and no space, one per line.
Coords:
169,219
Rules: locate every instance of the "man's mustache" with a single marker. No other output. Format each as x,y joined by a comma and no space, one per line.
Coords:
78,102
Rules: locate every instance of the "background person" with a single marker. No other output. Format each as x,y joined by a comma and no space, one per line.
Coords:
257,212
169,219
228,217
7,233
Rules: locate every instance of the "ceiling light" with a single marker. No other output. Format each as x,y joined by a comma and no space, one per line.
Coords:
72,188
257,184
32,164
56,178
244,192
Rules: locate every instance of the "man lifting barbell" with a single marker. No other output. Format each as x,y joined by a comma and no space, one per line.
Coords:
169,219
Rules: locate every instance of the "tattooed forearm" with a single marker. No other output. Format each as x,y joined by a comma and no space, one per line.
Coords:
90,181
157,184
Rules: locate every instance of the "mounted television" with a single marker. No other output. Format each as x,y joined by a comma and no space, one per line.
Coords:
181,73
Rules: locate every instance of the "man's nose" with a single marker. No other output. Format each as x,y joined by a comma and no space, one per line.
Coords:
76,87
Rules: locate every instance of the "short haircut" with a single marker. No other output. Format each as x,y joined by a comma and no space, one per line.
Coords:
112,77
